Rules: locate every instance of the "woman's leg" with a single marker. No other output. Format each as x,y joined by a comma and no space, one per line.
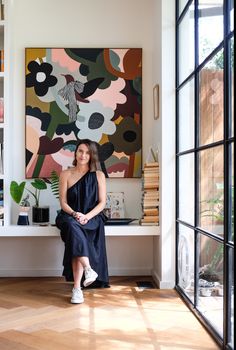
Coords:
78,271
78,266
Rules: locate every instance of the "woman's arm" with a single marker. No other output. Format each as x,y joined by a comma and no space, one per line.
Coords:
63,193
101,199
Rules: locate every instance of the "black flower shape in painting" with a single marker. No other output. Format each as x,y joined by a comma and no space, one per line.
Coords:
44,117
40,77
127,137
66,129
105,151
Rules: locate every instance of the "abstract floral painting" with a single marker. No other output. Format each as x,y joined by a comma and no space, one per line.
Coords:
74,93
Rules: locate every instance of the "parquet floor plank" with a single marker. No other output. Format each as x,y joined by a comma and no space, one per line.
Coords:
36,314
35,342
10,344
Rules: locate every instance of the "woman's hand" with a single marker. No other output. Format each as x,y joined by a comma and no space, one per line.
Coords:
81,218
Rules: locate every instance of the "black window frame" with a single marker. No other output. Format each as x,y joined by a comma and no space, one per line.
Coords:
226,142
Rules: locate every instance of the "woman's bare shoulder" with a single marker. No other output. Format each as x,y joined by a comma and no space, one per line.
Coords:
65,173
100,175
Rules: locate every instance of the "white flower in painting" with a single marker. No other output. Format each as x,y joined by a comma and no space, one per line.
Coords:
94,120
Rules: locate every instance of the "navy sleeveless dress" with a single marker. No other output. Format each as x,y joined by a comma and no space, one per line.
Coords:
84,240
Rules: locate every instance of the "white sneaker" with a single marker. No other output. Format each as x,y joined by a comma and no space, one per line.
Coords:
77,296
90,276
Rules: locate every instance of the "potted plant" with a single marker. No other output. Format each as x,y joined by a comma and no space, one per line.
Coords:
40,214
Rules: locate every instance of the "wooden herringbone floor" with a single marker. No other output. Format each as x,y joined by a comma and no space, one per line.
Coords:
36,314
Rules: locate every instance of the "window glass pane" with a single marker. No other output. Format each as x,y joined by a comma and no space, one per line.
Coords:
211,190
232,84
210,287
186,45
186,188
231,15
186,260
186,116
211,100
210,26
182,4
231,287
231,194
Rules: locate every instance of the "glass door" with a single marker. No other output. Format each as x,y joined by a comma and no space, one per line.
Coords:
204,162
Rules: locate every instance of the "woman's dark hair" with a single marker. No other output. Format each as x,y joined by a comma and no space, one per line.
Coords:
93,151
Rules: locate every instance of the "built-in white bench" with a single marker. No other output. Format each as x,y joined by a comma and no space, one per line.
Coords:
50,231
38,250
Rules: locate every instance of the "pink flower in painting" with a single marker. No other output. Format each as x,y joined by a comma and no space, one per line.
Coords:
64,157
60,57
112,95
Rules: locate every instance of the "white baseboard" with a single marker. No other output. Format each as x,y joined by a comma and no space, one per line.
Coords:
162,284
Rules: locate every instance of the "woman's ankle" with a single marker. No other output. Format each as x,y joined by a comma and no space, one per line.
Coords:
77,286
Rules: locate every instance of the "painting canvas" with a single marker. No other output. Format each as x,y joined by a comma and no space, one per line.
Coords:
78,93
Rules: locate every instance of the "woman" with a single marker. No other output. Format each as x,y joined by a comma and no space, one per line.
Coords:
82,192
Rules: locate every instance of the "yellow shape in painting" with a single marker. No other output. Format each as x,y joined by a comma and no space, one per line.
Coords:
118,120
137,162
104,139
33,55
34,101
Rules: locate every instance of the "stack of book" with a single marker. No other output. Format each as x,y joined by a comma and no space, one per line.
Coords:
1,60
1,151
150,200
1,110
2,17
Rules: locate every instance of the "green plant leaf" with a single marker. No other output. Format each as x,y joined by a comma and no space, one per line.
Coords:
39,184
55,183
16,191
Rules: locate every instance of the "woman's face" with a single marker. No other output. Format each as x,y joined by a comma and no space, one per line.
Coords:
83,154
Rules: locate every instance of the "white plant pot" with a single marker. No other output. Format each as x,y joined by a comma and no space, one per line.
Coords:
205,292
220,291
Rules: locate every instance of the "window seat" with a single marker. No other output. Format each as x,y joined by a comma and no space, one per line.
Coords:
52,231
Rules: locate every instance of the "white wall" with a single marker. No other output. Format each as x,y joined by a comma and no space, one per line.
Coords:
77,23
103,23
164,140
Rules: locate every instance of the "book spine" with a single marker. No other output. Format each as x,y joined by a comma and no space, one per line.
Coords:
2,61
